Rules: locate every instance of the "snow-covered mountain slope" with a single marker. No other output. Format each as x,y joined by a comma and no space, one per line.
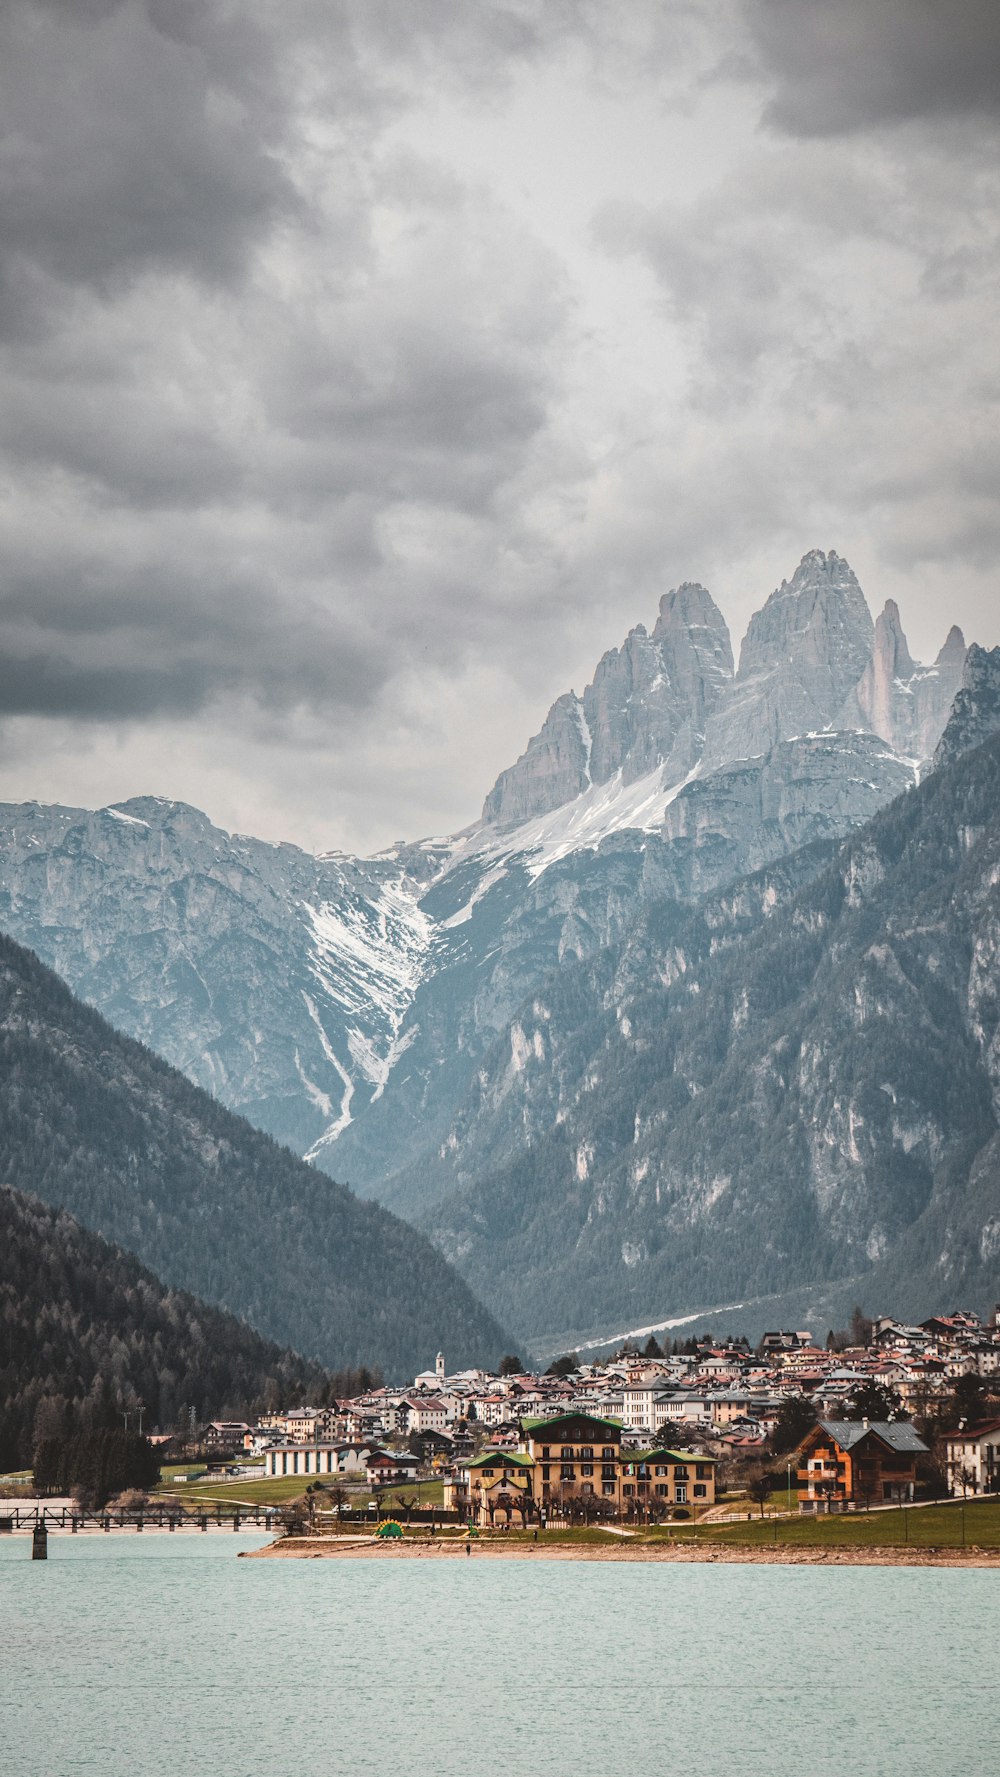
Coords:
272,978
343,1004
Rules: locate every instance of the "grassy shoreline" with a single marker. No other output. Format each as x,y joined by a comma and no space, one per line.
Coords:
933,1533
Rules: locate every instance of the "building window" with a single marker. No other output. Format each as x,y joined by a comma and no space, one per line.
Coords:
700,1491
586,1488
661,1489
680,1473
586,1454
545,1474
628,1490
608,1453
567,1452
586,1468
608,1471
566,1472
545,1452
703,1471
607,1487
488,1471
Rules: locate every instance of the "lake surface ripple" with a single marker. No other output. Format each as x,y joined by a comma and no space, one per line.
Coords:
157,1656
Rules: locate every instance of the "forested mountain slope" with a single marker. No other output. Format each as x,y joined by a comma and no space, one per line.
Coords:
94,1123
87,1330
759,1093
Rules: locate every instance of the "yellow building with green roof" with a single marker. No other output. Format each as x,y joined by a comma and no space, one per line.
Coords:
575,1456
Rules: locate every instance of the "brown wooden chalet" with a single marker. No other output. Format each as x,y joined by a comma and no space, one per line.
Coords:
859,1463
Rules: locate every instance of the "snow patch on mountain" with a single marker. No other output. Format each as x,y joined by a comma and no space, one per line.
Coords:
370,955
581,825
340,1124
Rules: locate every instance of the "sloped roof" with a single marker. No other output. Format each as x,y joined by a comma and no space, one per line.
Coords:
971,1433
898,1434
687,1457
496,1458
534,1425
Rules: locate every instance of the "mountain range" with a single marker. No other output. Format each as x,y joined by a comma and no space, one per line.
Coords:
795,1082
362,1011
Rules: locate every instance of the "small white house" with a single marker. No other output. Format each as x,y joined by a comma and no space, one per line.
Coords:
293,1458
972,1458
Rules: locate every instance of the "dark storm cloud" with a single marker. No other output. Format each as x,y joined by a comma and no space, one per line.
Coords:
844,65
136,136
88,637
236,424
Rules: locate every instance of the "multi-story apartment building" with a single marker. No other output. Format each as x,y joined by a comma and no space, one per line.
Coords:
493,1487
576,1457
575,1454
661,1478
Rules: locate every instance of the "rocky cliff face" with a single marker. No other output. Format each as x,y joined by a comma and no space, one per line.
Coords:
647,706
812,662
975,714
906,704
801,657
271,978
785,1085
741,817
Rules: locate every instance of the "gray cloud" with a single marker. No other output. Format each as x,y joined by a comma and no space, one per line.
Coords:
240,426
845,65
137,136
319,476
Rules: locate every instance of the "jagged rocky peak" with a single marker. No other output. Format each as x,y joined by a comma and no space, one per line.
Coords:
646,707
650,699
975,713
812,662
820,616
553,769
896,698
801,658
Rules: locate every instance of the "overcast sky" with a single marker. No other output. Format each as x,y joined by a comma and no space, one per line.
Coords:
367,367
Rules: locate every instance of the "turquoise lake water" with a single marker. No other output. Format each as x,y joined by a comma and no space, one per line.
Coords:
157,1656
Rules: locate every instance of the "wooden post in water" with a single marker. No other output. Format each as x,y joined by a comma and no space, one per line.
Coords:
40,1542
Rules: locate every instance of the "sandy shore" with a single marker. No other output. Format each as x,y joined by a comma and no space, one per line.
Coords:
355,1548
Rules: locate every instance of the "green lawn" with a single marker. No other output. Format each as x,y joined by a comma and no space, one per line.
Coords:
279,1489
267,1492
937,1526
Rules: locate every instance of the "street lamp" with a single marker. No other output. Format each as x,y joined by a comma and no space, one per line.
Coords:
788,1477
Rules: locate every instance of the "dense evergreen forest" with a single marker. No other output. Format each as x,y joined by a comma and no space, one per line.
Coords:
86,1331
94,1123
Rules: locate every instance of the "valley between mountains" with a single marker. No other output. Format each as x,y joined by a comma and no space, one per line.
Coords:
702,1009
